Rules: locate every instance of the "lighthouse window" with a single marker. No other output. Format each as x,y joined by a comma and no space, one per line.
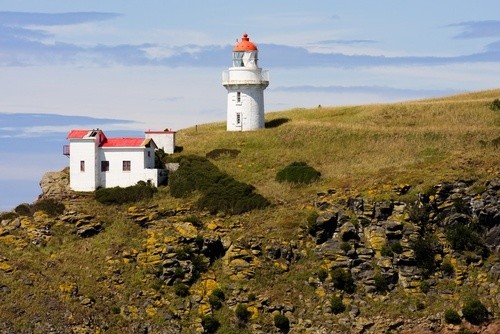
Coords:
238,118
238,58
238,97
82,166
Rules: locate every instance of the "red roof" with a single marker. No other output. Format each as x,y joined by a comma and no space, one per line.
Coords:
124,142
77,134
245,44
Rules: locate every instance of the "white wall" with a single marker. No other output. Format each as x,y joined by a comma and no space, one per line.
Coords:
164,140
83,150
250,107
140,162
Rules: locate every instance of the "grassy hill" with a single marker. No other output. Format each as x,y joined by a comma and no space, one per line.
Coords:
123,273
363,147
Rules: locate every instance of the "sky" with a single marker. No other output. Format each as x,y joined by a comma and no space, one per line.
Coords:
127,66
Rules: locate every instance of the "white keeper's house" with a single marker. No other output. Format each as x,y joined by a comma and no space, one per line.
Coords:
98,161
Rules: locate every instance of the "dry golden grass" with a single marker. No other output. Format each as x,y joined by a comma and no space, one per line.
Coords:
417,142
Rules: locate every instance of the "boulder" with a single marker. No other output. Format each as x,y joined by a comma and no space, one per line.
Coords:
55,184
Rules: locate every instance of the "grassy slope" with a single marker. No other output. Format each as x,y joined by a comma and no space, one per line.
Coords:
420,143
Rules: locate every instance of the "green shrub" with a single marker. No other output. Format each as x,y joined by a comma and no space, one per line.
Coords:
242,313
419,214
462,238
447,268
222,152
312,226
196,221
425,286
220,192
210,324
298,173
342,280
216,298
181,289
475,312
23,209
282,323
451,317
115,310
386,250
345,246
50,206
381,284
322,274
119,195
336,305
424,250
8,216
396,247
231,196
194,173
495,105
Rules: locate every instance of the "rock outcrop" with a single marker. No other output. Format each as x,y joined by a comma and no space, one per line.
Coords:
55,184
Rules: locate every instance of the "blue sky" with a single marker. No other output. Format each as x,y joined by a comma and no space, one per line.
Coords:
128,66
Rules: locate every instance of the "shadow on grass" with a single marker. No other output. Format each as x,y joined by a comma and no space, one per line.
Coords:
274,123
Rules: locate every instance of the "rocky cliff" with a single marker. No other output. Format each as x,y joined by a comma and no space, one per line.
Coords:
350,264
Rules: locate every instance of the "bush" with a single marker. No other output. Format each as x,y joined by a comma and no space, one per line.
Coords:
312,226
451,317
23,209
298,173
119,195
210,324
342,280
447,268
381,284
222,152
396,247
181,289
49,206
194,173
462,238
242,313
8,216
216,298
425,286
475,312
495,105
424,250
336,305
220,192
281,322
322,274
231,196
386,250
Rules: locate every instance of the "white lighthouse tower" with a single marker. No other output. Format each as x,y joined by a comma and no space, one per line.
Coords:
245,83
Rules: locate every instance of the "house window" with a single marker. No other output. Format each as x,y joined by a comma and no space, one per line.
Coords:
104,166
82,166
238,118
126,165
149,154
238,97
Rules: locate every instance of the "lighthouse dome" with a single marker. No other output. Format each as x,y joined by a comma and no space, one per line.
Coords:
245,45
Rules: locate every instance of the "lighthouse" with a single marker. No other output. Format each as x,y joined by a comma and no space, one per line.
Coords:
245,82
